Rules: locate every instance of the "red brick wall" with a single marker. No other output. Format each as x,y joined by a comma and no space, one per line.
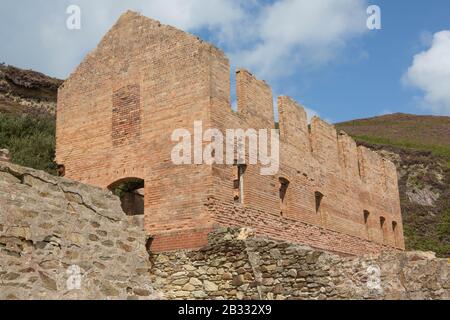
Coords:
186,239
292,230
126,115
314,159
117,111
116,114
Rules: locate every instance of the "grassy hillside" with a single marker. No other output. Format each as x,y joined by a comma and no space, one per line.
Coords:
30,139
420,147
27,121
421,133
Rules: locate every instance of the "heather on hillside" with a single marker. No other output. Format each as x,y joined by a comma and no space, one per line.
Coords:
421,133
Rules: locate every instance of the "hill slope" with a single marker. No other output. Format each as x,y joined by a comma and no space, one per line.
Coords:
27,91
420,147
421,133
27,116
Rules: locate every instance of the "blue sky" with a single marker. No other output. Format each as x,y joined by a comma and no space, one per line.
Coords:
318,52
356,88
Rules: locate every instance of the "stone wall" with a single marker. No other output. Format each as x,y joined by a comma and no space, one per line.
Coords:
53,229
237,265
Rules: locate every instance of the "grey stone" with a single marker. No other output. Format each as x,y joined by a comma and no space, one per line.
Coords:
195,282
292,273
210,286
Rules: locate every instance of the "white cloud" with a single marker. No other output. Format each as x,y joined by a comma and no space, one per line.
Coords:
35,34
310,113
268,38
290,33
194,14
430,72
385,112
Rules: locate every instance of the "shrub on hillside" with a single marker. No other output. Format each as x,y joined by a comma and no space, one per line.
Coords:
30,139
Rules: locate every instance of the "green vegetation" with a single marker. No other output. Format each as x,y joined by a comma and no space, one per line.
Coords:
438,150
443,228
30,139
127,186
426,243
419,133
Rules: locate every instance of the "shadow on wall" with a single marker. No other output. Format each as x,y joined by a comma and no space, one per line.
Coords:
131,194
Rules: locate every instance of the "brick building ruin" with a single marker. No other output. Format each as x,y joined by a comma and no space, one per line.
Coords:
118,109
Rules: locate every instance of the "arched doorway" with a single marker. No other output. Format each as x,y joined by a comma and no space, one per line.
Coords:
131,194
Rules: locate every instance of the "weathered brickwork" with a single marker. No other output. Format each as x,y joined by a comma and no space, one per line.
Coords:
116,114
126,116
